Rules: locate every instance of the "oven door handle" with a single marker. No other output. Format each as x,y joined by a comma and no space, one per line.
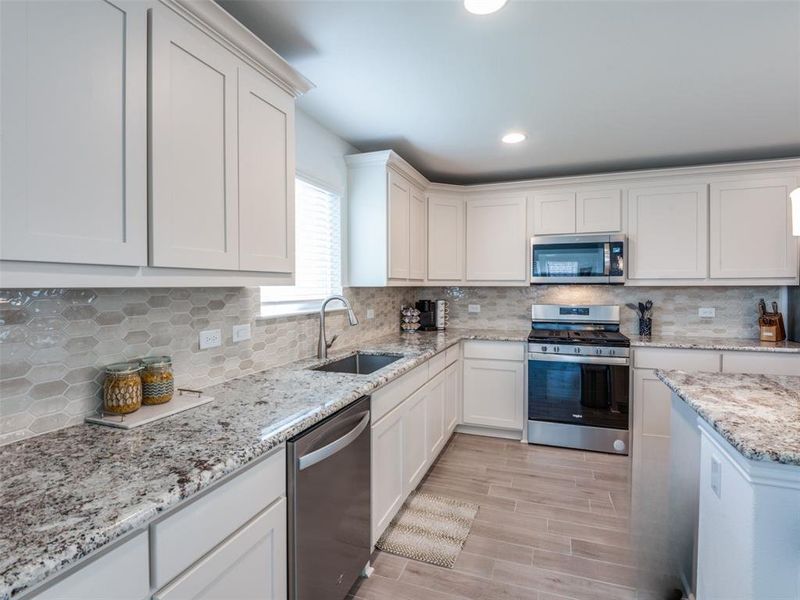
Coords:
587,360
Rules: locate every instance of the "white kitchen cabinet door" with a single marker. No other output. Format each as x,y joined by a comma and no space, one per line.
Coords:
598,212
417,245
415,438
266,175
74,127
194,219
399,226
435,420
451,397
388,478
124,568
445,238
751,229
652,405
249,565
553,213
494,393
496,239
668,232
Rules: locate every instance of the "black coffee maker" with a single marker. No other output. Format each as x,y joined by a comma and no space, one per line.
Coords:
427,315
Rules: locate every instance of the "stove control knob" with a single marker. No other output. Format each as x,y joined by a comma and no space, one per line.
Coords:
577,350
611,352
599,352
556,349
544,348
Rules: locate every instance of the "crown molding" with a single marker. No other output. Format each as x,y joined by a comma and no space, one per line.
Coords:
391,159
220,25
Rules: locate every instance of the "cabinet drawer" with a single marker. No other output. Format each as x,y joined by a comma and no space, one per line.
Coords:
184,536
392,394
452,354
249,564
436,365
763,363
682,360
494,350
123,569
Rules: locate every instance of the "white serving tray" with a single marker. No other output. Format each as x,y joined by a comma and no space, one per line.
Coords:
147,414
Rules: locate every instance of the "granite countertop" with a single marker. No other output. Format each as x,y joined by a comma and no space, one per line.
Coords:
711,343
70,492
759,415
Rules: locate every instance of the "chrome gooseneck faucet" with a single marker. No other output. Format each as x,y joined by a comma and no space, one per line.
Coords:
324,344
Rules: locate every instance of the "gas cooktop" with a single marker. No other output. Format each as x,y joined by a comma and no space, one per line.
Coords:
547,335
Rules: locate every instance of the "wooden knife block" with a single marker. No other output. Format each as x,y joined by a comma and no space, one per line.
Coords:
772,329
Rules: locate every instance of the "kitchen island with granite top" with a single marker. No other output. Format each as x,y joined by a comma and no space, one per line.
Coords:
735,484
69,495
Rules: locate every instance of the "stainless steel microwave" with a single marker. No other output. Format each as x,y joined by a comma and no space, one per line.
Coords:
578,259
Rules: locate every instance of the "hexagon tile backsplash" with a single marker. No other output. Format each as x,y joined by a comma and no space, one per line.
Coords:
54,343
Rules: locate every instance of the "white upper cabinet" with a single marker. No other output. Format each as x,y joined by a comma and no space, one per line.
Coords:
418,223
750,229
266,175
496,239
386,219
598,211
668,232
445,238
399,226
73,187
583,211
553,213
194,213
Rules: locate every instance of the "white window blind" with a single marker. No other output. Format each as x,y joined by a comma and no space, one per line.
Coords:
318,249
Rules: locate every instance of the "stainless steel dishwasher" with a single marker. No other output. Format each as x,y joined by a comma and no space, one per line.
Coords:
329,504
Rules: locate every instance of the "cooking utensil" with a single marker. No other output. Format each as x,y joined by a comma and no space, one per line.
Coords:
774,307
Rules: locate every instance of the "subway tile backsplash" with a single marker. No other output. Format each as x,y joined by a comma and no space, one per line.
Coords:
55,342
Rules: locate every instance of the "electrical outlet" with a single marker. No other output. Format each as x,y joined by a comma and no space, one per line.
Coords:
474,308
211,338
707,312
241,332
370,313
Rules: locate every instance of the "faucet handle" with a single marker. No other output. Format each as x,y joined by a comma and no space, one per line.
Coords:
333,339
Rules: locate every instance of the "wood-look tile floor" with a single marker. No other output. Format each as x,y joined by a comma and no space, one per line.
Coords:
553,524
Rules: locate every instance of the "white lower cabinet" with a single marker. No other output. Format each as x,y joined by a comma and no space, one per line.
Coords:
435,420
451,397
387,470
493,393
250,565
123,569
415,437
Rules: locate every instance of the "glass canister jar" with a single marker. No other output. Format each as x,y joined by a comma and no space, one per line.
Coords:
158,382
122,388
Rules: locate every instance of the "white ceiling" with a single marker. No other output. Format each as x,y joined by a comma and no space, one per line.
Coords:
597,85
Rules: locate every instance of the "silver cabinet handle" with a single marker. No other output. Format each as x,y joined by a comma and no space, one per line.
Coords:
607,259
312,458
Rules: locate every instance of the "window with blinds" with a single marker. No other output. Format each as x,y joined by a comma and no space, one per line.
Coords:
318,254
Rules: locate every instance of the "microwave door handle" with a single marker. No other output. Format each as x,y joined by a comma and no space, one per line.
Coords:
607,259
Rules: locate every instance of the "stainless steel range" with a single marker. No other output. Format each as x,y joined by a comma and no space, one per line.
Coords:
578,378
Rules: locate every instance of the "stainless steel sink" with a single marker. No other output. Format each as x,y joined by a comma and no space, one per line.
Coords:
359,363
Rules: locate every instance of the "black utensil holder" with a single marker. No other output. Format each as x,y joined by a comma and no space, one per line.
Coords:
646,327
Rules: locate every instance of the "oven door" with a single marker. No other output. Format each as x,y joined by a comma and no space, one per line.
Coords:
577,259
578,390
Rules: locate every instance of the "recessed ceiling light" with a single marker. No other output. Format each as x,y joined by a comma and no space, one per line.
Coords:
484,7
514,137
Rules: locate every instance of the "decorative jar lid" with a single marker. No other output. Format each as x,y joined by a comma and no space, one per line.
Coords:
123,368
156,361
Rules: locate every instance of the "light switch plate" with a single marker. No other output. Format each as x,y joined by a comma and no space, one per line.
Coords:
474,308
241,332
707,312
211,338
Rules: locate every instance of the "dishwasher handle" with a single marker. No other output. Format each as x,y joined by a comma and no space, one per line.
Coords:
312,458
